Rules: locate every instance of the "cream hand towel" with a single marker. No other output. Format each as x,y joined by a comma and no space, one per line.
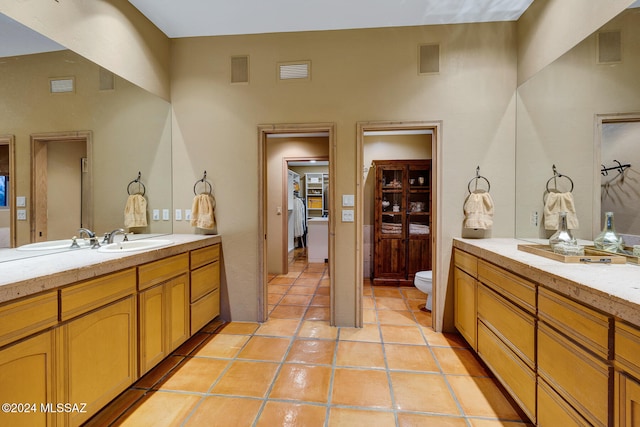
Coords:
478,211
135,211
202,212
556,203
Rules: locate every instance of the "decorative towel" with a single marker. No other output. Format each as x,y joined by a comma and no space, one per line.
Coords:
202,211
135,211
478,211
556,203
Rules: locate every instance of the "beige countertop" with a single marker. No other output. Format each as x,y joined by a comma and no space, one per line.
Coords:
27,276
612,288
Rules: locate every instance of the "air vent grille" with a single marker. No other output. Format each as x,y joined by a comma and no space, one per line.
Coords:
300,70
429,59
240,69
609,47
62,85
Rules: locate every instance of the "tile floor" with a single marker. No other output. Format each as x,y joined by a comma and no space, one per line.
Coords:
296,370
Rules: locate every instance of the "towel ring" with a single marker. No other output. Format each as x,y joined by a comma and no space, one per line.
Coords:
137,181
555,176
476,178
205,182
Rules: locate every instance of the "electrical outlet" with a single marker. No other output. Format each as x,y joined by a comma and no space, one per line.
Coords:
156,215
22,214
347,215
534,218
187,214
165,214
178,215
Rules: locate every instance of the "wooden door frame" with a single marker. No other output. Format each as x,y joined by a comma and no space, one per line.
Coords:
39,144
10,140
263,132
436,161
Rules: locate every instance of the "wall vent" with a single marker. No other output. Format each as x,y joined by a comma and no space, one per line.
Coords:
299,70
240,69
107,79
609,47
428,58
62,85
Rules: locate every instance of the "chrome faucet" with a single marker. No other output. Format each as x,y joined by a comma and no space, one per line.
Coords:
93,240
109,236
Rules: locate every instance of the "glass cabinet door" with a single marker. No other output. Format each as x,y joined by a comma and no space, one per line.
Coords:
393,204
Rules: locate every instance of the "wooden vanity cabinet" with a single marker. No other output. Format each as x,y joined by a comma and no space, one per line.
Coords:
163,303
465,295
627,375
96,345
205,286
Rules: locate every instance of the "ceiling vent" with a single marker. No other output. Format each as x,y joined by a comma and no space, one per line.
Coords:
107,79
300,70
62,85
240,69
428,59
609,47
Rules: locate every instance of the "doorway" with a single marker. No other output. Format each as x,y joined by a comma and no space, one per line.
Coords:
7,192
364,239
60,184
273,199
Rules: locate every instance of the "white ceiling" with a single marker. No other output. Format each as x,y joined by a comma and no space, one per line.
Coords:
189,18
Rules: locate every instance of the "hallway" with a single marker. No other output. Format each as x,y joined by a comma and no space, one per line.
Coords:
296,370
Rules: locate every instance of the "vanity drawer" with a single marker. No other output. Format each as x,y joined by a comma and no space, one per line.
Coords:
94,293
27,316
203,256
554,411
465,262
582,324
514,375
507,284
204,280
511,324
162,270
204,310
579,377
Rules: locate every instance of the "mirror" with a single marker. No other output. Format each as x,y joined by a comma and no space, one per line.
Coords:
129,131
560,112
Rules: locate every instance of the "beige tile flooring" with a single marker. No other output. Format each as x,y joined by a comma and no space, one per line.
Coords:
296,370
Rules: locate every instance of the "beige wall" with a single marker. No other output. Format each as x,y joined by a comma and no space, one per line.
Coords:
549,28
111,33
277,150
358,75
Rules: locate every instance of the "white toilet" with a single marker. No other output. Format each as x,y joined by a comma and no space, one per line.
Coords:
424,281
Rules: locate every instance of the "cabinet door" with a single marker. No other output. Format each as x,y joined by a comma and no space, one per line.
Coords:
26,376
466,306
97,356
152,327
628,401
177,297
390,258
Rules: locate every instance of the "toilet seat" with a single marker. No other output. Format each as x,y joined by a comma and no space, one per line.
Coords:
425,275
423,280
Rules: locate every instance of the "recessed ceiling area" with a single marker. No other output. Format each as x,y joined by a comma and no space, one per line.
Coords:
192,18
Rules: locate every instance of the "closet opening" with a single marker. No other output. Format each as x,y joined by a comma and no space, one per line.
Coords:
296,181
397,219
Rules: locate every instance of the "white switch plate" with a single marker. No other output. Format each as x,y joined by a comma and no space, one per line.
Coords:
347,215
156,214
165,214
178,215
22,214
21,201
187,214
348,200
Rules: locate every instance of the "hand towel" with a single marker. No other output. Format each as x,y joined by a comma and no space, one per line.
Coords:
478,211
202,211
556,203
135,211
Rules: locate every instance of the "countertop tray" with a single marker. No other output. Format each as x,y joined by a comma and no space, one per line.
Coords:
631,259
591,255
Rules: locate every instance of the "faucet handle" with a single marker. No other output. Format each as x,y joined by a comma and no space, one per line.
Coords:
74,244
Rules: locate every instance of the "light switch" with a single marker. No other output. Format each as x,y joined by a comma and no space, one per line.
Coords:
165,214
178,215
21,201
347,215
348,200
156,215
187,214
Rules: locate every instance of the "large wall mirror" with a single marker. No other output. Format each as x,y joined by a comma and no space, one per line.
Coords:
578,115
125,135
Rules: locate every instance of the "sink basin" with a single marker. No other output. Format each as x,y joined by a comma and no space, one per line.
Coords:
134,245
52,245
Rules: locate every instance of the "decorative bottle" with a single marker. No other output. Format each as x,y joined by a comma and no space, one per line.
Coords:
563,235
608,240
